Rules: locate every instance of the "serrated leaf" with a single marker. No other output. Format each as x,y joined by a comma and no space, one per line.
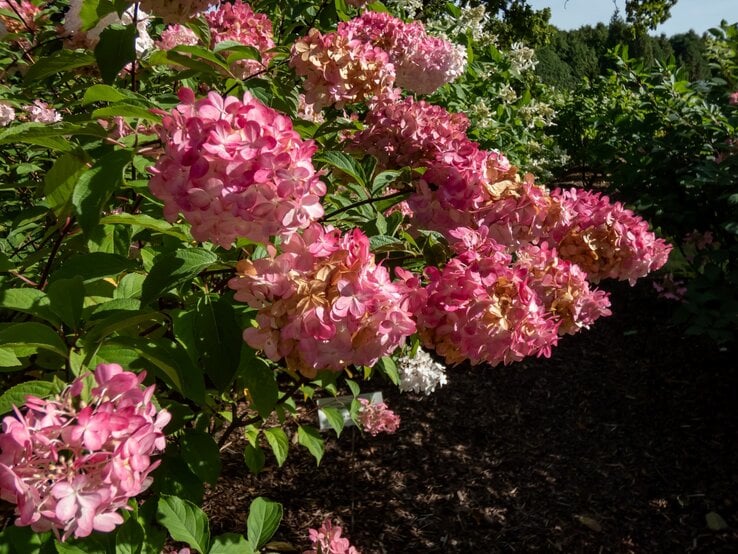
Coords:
29,337
277,439
388,366
201,454
124,109
145,222
263,521
129,537
254,458
344,162
185,522
217,338
93,266
16,396
61,60
335,418
260,381
173,269
95,186
230,543
29,301
170,361
66,297
60,180
310,438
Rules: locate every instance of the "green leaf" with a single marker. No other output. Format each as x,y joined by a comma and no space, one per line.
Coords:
334,417
29,337
66,297
254,458
204,54
277,439
96,185
124,109
173,269
344,162
9,361
309,437
185,522
16,396
60,180
117,47
388,366
170,361
260,381
354,387
129,537
61,60
107,93
263,521
28,301
217,338
93,266
92,11
230,543
145,222
23,540
175,478
201,454
5,263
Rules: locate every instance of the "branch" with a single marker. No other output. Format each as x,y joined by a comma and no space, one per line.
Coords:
367,201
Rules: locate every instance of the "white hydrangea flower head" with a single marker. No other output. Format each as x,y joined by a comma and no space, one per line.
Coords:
420,373
7,115
89,39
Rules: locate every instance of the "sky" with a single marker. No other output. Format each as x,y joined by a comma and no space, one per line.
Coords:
698,15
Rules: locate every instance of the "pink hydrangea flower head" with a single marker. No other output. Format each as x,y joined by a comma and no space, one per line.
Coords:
376,418
563,288
357,3
422,62
41,112
604,238
328,540
733,98
481,308
324,303
670,288
176,11
175,35
403,132
235,168
339,69
238,22
70,465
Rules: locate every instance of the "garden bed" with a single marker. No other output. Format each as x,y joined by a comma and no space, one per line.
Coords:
623,441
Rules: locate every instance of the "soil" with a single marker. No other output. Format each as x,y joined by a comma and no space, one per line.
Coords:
623,441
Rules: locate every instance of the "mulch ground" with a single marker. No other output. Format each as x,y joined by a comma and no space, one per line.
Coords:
623,441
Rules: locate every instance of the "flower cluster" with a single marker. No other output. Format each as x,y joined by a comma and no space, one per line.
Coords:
403,132
733,98
41,112
70,465
23,18
339,69
669,288
376,417
420,373
522,58
324,303
177,11
239,23
328,540
176,35
7,115
605,239
563,288
422,62
481,308
365,56
235,169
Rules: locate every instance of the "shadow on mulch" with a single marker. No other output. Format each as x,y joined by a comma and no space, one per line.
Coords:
623,441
